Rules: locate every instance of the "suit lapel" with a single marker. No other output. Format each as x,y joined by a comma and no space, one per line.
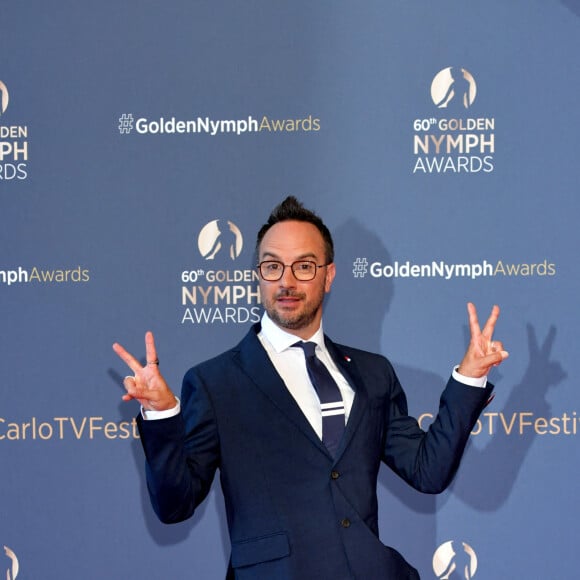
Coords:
258,368
349,368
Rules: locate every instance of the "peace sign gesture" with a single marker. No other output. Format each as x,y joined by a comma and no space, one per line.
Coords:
483,352
147,385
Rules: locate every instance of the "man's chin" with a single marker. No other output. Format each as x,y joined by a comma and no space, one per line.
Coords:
290,322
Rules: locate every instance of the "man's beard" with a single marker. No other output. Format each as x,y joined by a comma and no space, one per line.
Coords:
297,320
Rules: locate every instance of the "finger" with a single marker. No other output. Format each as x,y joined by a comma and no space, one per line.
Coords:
473,321
150,350
488,361
136,390
130,384
496,346
498,357
490,324
128,358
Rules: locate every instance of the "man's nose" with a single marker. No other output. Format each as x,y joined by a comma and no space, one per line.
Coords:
288,278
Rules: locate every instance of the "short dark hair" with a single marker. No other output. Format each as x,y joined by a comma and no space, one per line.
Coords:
293,210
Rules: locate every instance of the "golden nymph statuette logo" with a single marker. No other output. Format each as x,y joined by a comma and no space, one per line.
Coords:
12,572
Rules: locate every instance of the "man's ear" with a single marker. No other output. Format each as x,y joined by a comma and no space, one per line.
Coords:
330,274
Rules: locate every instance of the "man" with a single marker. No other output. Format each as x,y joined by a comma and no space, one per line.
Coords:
299,475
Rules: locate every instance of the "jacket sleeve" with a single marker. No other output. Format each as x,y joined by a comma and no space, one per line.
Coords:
428,460
182,453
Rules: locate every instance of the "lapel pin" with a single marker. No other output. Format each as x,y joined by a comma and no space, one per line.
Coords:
346,358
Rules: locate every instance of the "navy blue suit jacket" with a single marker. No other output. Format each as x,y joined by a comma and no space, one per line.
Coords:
294,512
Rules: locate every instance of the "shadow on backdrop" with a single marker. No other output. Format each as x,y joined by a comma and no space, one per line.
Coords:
488,476
573,5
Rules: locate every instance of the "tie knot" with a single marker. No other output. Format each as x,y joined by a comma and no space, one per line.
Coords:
307,347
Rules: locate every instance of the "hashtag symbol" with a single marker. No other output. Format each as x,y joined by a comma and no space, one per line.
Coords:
125,123
359,267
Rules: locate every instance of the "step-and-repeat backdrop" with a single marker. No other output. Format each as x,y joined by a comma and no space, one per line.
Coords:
142,144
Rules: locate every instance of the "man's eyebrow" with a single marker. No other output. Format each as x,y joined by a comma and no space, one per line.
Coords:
269,255
304,256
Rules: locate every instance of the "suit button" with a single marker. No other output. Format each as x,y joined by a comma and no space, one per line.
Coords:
334,475
345,523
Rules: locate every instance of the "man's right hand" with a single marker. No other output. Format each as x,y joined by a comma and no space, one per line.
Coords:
147,385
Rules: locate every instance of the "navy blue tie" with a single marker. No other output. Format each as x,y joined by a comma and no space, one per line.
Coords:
331,403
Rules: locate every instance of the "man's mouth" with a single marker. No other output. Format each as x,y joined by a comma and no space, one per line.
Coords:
288,298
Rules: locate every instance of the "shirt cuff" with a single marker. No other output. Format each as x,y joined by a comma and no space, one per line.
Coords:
149,415
480,382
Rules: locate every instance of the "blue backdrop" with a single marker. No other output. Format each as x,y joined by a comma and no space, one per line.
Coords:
142,145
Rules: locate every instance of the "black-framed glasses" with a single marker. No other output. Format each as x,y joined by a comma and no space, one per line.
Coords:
303,270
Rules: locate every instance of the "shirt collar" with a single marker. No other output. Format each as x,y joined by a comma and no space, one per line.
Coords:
281,340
